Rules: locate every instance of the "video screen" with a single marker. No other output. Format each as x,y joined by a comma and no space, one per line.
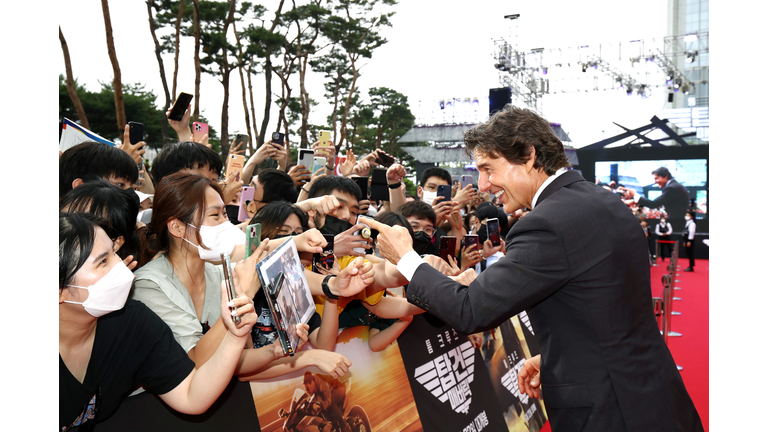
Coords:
691,173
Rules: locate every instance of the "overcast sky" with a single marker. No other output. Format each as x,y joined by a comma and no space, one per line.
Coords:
436,49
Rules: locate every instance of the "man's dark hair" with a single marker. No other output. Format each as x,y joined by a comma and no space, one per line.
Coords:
435,172
277,186
120,207
419,210
177,156
662,172
90,161
511,133
326,185
487,210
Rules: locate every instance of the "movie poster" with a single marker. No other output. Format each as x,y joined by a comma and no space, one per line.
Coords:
451,387
504,350
376,391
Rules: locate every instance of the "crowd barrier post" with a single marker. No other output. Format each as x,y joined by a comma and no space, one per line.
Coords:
667,312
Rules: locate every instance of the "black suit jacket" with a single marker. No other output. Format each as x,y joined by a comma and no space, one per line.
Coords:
674,197
578,263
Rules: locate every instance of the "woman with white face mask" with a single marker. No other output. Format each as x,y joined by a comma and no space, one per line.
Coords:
132,345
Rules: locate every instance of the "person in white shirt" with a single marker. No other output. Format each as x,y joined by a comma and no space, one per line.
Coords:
663,232
689,233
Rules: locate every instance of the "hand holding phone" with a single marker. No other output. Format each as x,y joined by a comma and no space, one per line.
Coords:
199,130
230,283
445,192
278,138
494,234
447,247
136,132
180,106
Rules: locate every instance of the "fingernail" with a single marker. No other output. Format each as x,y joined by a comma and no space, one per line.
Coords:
231,304
233,313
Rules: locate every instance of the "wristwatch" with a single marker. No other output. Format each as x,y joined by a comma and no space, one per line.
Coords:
326,290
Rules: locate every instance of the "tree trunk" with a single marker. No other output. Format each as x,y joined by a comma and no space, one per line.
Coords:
164,122
71,83
196,10
378,135
225,71
268,81
343,131
253,110
392,140
242,88
117,81
176,53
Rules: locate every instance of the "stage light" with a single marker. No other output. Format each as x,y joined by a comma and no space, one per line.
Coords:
670,75
690,56
543,70
678,83
650,59
629,90
690,38
584,67
442,104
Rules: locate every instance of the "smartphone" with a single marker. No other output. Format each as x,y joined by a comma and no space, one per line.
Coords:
325,139
445,192
180,106
136,132
492,227
318,162
362,182
466,180
235,164
240,138
324,259
384,159
306,158
252,238
447,247
230,283
278,138
455,179
198,131
246,196
379,189
472,239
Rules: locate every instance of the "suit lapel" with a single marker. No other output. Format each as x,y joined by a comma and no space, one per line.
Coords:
564,180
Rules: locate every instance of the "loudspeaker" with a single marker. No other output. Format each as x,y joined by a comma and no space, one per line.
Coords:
671,97
498,98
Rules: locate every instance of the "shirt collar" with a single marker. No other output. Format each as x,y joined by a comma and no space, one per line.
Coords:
546,183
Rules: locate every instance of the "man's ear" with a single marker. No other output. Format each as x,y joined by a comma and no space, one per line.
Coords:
119,242
420,192
76,182
531,160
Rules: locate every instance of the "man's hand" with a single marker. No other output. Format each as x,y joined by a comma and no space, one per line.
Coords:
438,264
454,266
332,363
355,277
280,155
364,205
470,256
130,262
246,270
235,150
466,277
181,126
320,205
134,150
464,195
442,209
329,153
529,377
395,173
394,242
231,187
348,166
345,242
476,339
629,193
311,241
299,174
489,249
266,150
362,169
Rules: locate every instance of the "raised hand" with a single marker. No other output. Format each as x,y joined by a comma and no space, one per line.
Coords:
311,241
181,126
134,150
345,242
349,164
244,309
393,242
355,277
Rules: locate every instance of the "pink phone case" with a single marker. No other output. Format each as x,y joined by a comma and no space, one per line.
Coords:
246,194
198,130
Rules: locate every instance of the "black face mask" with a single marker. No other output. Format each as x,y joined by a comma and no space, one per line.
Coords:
482,236
421,241
335,226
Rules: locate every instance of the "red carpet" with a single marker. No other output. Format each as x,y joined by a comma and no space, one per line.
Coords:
691,350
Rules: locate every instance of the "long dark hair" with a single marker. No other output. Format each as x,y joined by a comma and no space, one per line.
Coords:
178,196
273,215
77,232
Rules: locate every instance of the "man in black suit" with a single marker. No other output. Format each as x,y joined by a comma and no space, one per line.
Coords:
674,196
578,264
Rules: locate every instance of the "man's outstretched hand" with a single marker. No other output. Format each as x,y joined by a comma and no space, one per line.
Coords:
394,242
529,378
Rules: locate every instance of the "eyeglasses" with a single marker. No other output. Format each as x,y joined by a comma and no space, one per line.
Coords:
430,231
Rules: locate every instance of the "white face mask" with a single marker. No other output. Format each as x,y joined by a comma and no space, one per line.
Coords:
687,217
663,221
109,293
219,239
428,197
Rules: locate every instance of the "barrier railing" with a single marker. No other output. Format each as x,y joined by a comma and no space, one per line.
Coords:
655,261
662,306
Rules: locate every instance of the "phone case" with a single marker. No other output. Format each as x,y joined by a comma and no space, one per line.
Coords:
492,228
318,163
306,158
199,130
252,238
230,283
136,132
466,180
447,247
180,106
235,163
326,258
445,192
325,139
246,195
